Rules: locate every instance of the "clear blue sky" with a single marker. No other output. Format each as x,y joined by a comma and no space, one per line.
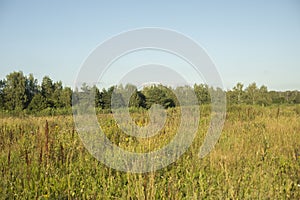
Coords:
248,40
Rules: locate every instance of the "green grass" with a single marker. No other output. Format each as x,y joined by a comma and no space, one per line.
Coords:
256,157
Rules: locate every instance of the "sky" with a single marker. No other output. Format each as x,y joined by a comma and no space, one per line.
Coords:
248,41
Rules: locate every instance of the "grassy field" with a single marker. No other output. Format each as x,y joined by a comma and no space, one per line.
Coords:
256,157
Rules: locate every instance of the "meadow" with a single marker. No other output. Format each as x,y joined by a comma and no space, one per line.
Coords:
256,157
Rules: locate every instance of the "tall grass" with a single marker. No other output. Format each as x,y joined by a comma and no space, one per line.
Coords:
256,157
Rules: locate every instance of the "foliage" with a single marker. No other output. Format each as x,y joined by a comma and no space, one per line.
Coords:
159,95
15,95
22,94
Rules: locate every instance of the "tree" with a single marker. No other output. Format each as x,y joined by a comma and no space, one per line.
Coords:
48,90
252,93
218,95
128,96
202,93
98,97
137,99
171,99
117,100
37,103
15,91
293,97
129,93
158,95
86,96
56,96
2,86
263,98
237,93
289,96
31,88
276,97
66,97
297,98
106,97
63,95
122,95
185,95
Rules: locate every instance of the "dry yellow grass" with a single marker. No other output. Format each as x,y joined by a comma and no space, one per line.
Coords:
256,157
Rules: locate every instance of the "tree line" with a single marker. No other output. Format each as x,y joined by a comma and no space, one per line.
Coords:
19,92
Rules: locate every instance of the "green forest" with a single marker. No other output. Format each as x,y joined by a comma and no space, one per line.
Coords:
22,94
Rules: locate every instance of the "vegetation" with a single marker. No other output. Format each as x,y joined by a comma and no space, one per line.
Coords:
257,157
42,156
20,94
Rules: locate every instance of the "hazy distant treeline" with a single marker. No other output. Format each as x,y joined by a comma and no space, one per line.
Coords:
19,92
